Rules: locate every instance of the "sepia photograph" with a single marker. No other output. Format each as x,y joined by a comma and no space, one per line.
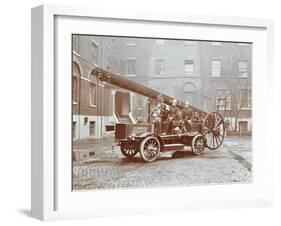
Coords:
155,112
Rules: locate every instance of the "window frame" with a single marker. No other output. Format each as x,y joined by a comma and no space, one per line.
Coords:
212,69
248,98
186,72
162,66
96,46
127,67
74,91
227,95
242,72
91,95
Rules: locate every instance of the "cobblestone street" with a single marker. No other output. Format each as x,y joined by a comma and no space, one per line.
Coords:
109,169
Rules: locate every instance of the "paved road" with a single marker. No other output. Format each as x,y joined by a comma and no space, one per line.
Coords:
108,169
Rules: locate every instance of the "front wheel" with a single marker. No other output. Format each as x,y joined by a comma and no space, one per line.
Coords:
150,149
128,150
198,144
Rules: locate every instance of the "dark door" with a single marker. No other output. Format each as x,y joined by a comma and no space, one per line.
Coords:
243,127
92,128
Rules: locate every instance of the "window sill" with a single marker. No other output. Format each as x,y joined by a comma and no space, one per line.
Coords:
74,103
189,75
93,106
245,109
222,109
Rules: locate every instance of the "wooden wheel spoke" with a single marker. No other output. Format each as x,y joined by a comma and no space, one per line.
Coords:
219,123
128,150
216,140
210,141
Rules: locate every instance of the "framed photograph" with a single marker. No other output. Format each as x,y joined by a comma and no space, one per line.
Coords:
136,113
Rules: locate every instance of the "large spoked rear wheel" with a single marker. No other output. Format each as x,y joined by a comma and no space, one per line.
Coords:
150,149
128,150
198,144
214,130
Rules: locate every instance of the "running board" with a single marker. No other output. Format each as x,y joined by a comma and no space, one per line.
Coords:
173,147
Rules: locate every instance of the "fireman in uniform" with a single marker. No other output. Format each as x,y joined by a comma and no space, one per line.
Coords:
162,122
175,117
165,115
187,116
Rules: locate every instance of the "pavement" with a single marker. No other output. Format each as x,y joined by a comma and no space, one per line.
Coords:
109,169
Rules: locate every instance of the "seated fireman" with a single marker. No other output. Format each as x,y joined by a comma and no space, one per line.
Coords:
187,117
176,116
165,119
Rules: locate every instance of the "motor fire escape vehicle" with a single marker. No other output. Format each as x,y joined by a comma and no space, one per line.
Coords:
207,128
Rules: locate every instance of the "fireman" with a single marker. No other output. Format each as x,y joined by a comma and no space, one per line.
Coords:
175,116
187,116
165,115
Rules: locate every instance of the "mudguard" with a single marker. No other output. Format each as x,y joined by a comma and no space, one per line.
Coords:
147,134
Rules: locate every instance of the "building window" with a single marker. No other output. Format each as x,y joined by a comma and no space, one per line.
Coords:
131,66
223,99
245,99
216,68
75,43
160,42
92,128
243,68
92,94
216,43
95,52
74,89
122,66
243,127
159,66
74,130
189,67
131,42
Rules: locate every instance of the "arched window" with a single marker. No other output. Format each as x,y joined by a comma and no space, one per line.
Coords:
75,81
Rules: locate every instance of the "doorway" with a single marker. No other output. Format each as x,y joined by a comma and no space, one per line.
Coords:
122,103
243,127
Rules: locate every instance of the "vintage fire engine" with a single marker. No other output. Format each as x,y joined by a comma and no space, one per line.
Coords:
205,130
